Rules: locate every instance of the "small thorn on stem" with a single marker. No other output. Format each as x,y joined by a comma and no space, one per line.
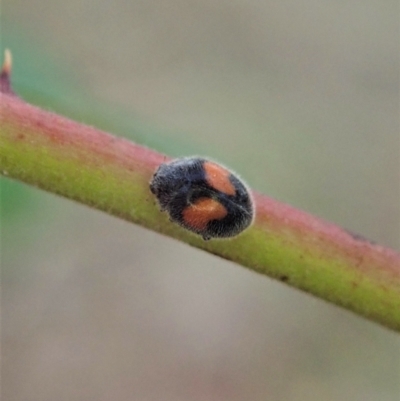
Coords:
5,74
7,64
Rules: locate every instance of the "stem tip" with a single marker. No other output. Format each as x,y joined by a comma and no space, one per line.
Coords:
5,84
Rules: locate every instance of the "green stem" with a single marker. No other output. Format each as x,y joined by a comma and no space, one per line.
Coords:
112,174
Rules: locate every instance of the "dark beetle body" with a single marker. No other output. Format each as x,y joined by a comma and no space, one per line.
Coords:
203,197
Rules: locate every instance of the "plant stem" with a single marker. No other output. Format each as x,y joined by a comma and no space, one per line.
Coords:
112,174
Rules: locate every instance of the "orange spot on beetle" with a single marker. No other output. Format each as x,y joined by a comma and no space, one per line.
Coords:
218,178
204,210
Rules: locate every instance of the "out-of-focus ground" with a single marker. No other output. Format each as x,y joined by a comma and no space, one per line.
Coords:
302,98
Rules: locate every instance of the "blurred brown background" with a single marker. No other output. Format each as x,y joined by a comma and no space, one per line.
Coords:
301,98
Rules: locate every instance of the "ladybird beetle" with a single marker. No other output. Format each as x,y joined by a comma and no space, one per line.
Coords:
203,197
